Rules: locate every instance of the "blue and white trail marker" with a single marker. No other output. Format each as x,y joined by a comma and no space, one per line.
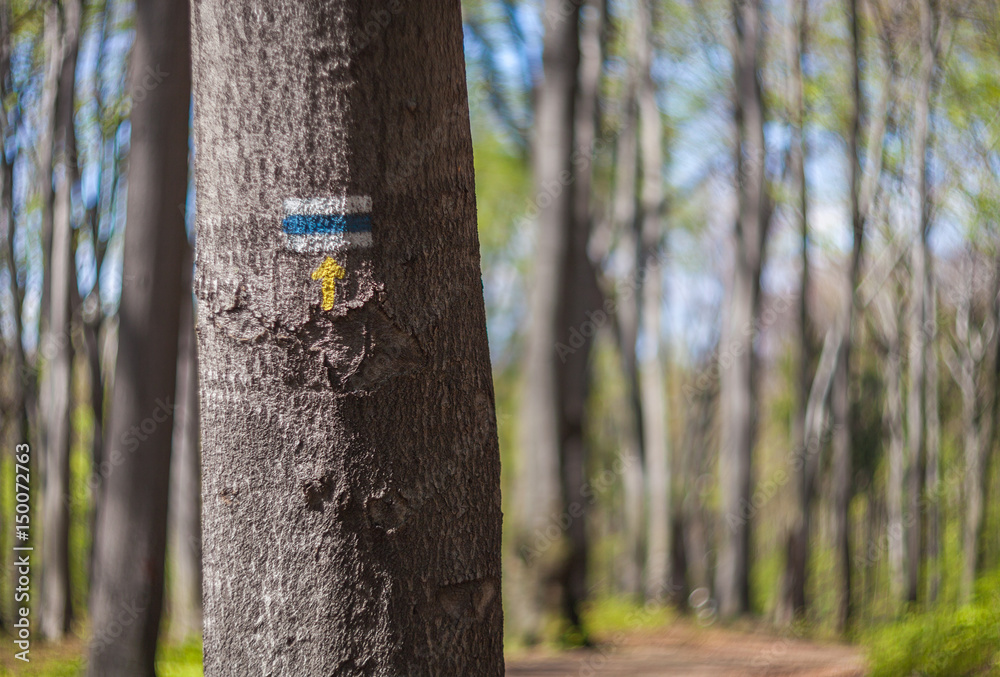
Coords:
327,224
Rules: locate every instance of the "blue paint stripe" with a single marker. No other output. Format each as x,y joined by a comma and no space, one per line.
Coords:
308,224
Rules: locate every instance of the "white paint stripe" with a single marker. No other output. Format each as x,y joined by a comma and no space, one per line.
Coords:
352,204
315,243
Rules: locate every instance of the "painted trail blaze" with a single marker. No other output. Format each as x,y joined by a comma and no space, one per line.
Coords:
329,271
327,224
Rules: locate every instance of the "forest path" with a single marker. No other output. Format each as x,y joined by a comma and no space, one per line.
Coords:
684,651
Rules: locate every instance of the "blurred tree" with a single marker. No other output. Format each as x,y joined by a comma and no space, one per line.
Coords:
57,346
558,342
659,585
737,361
132,524
797,556
624,217
351,470
185,478
842,469
922,326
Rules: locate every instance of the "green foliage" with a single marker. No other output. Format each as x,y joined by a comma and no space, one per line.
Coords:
942,643
608,615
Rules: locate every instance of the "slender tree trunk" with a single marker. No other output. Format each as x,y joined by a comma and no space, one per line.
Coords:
893,417
132,525
843,474
56,612
93,306
551,344
580,298
624,217
933,469
185,479
972,482
52,42
737,362
652,385
797,558
351,471
919,307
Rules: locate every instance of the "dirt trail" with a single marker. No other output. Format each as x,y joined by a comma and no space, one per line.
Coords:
683,651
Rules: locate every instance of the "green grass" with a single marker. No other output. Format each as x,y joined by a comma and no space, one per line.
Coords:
66,660
962,642
180,661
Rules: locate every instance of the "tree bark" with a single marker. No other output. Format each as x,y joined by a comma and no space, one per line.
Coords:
184,524
56,613
350,483
132,525
737,362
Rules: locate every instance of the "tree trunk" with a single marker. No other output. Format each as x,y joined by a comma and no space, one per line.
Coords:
580,296
629,314
623,210
737,362
557,343
972,482
56,609
843,474
893,417
184,525
975,372
933,470
797,558
651,365
131,532
93,306
351,476
52,42
919,307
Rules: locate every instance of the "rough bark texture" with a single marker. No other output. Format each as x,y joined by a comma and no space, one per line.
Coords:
56,610
737,361
184,527
351,478
131,533
557,345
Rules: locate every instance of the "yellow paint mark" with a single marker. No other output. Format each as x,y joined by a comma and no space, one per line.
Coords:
329,271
